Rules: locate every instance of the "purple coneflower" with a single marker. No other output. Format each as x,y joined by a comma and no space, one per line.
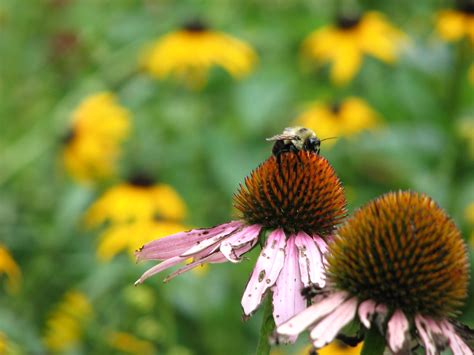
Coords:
399,265
296,203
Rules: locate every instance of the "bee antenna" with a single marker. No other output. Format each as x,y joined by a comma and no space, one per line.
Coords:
325,139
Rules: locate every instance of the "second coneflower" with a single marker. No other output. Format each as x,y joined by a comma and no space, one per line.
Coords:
399,266
190,52
292,205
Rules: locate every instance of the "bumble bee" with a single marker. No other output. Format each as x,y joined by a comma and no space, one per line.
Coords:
293,139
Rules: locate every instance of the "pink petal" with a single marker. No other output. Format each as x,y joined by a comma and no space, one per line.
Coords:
366,311
312,314
178,243
326,330
247,236
457,345
160,267
397,331
214,258
322,245
426,329
287,298
266,271
310,260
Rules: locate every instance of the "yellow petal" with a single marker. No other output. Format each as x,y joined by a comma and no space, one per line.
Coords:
11,269
450,25
346,65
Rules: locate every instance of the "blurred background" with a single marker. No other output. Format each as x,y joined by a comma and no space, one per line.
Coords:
122,121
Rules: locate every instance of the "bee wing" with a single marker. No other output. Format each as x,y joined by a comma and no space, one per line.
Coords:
280,137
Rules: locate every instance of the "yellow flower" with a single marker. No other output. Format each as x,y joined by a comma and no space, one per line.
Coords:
338,348
335,348
11,269
138,211
92,145
64,326
8,347
190,52
345,43
454,24
128,343
343,119
138,199
131,236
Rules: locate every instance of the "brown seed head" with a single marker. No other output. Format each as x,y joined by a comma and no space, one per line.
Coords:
402,250
299,193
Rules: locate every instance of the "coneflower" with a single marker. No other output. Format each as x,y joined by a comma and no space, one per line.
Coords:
294,202
398,264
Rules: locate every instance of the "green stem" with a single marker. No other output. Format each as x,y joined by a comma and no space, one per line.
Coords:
268,325
374,342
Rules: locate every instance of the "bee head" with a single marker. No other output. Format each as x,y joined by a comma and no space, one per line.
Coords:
312,144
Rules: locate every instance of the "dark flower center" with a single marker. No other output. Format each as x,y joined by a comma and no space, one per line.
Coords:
68,136
141,180
402,250
336,107
466,6
195,25
347,22
299,193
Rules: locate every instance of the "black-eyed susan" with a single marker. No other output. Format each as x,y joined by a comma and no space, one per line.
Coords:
400,265
8,346
454,24
139,198
9,267
66,323
136,211
131,236
336,347
345,43
291,204
339,119
92,144
190,52
130,344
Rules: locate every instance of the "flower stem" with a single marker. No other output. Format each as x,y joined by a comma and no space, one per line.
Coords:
268,325
374,342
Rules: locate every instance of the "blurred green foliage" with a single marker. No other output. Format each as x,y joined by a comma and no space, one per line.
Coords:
203,143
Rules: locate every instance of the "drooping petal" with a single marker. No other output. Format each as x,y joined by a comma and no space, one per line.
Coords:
231,246
175,244
266,271
326,330
160,267
310,260
426,328
204,244
457,345
312,314
397,331
366,311
214,258
287,298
